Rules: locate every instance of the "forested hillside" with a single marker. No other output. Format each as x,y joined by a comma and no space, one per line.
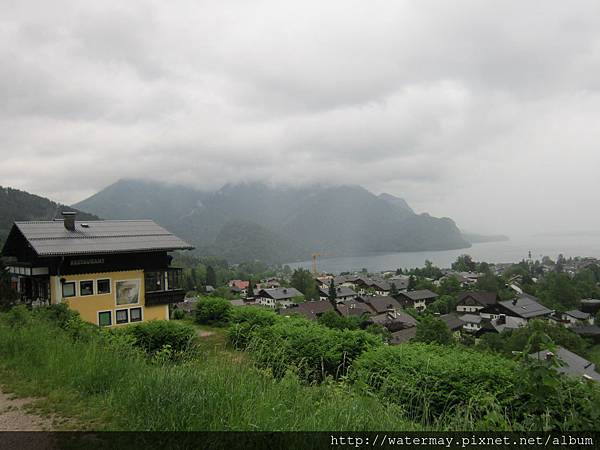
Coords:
20,205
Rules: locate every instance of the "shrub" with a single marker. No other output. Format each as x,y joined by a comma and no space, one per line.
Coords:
432,330
244,321
153,336
213,311
431,380
313,350
178,314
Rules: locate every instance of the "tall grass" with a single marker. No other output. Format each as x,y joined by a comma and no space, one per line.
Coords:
127,392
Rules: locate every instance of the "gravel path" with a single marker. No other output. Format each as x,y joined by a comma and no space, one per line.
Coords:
14,416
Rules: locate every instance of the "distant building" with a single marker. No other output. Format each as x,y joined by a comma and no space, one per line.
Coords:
275,296
524,308
475,301
310,310
394,321
342,293
380,304
350,308
575,317
417,299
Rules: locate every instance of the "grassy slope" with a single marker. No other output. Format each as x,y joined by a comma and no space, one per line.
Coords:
108,388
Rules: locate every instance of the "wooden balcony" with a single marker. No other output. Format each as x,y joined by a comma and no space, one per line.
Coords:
164,297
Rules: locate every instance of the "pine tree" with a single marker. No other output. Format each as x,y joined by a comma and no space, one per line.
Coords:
393,290
250,290
211,277
332,294
412,283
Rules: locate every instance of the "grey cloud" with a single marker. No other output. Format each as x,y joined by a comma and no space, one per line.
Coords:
461,107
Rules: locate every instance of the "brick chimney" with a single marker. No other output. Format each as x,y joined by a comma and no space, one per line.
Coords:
69,220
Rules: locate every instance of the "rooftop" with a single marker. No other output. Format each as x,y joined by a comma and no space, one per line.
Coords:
572,363
526,306
576,314
482,297
51,238
280,293
420,295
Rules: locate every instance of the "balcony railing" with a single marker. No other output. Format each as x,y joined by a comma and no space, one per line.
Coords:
164,297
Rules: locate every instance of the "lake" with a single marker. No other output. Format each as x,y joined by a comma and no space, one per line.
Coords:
513,250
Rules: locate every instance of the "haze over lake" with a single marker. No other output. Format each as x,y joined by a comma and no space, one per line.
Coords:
512,250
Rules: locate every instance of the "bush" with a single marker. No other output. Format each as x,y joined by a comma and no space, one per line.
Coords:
430,380
313,350
432,330
153,336
213,311
178,314
244,321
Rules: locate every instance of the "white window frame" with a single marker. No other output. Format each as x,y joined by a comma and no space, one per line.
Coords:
86,281
112,322
122,323
141,314
62,291
109,283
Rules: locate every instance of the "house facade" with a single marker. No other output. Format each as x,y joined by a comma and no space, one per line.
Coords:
112,272
276,296
417,299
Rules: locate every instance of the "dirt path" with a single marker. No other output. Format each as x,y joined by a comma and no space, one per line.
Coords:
15,417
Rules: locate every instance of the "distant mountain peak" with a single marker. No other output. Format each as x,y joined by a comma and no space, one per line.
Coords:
396,201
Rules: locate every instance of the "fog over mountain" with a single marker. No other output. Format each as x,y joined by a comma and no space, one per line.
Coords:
255,221
483,111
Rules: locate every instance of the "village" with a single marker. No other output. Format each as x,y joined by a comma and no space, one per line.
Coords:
391,300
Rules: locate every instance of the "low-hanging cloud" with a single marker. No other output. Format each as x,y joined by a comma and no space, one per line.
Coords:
483,111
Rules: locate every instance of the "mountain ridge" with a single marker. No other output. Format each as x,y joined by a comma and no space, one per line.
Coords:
278,224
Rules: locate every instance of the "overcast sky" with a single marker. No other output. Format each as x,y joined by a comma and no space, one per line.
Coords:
484,111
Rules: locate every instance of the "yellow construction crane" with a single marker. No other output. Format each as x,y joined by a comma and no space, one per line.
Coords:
315,256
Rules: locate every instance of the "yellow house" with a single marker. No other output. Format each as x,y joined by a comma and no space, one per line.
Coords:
112,272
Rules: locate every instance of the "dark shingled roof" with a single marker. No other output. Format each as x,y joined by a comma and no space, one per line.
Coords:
452,321
380,303
576,314
311,310
482,297
280,293
402,336
587,330
340,291
573,363
420,295
353,308
51,238
526,306
403,319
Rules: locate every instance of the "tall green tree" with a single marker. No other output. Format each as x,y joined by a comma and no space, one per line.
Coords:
250,290
464,263
332,294
211,276
432,330
393,290
412,283
449,286
303,280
